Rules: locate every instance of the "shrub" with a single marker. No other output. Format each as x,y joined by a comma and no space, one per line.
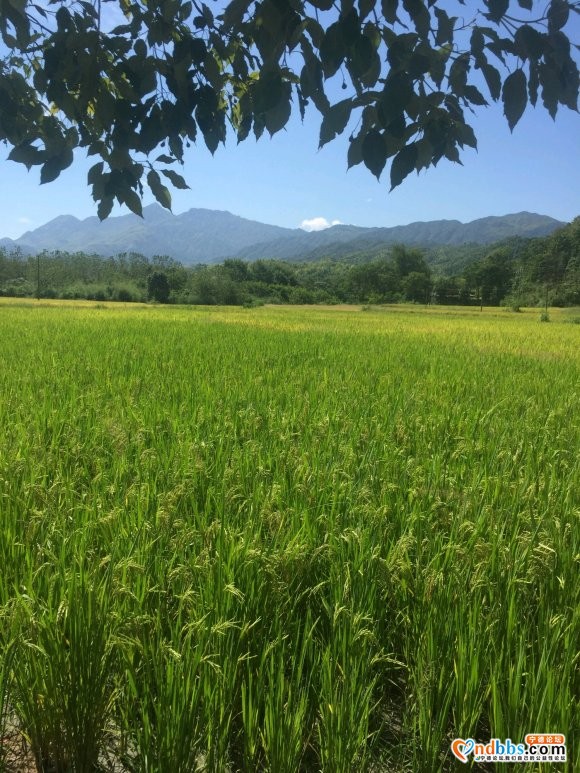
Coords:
124,295
158,287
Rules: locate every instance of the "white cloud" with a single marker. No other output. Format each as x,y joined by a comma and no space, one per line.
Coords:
24,220
318,224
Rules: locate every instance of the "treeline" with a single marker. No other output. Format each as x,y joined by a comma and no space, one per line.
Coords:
517,272
525,272
401,275
79,275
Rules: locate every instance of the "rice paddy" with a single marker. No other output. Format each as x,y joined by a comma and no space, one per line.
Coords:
285,539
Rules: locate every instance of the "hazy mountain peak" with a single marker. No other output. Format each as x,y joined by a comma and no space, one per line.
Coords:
207,236
57,223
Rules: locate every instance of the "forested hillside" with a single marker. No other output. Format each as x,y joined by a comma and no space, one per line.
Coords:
515,272
211,236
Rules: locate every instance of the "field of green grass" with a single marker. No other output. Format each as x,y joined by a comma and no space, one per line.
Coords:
285,539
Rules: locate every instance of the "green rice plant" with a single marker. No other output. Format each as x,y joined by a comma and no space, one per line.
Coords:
429,660
286,539
469,680
252,696
345,706
63,669
285,733
7,650
347,680
161,716
220,690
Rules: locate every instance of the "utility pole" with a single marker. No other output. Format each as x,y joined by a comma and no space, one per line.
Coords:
38,276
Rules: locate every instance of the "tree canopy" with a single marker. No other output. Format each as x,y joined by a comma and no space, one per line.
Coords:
134,81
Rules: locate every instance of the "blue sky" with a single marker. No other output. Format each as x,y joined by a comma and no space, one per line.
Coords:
287,181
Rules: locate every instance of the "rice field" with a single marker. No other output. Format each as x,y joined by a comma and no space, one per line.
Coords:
285,539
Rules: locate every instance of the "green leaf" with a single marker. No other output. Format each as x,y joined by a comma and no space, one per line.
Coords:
466,135
198,51
119,158
27,154
363,56
95,173
458,73
18,5
176,179
63,18
207,15
558,14
477,42
445,27
176,146
316,32
259,126
234,12
311,78
140,48
452,153
244,127
105,207
374,152
371,76
437,67
569,85
515,97
51,169
365,7
420,16
185,10
277,116
497,9
212,126
421,62
533,83
354,153
529,42
493,80
132,200
335,121
453,106
349,27
159,190
332,50
389,9
397,94
424,154
403,164
501,46
267,91
474,95
550,88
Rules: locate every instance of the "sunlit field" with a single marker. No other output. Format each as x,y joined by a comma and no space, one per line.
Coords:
285,539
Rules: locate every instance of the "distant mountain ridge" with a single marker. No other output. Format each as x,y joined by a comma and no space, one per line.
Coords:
209,236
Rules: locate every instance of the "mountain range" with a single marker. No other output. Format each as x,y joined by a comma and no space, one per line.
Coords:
210,236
